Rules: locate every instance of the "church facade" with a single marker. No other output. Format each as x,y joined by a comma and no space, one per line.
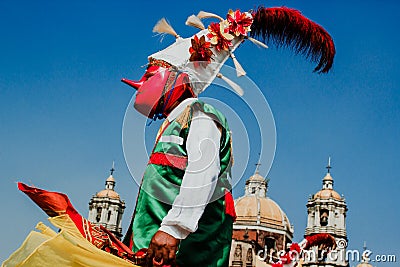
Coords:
262,228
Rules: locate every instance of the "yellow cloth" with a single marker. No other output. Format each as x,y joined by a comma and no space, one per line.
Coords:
66,248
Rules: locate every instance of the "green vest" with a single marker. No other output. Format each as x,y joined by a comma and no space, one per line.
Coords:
210,244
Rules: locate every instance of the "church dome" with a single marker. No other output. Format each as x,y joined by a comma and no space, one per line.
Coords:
256,209
263,211
110,179
260,221
328,177
327,191
327,194
108,193
257,177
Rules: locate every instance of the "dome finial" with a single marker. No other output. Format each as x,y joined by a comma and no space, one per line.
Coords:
112,169
258,164
365,258
329,165
256,184
327,182
110,181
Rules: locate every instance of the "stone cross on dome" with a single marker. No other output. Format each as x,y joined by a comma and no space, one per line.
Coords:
327,182
112,169
329,165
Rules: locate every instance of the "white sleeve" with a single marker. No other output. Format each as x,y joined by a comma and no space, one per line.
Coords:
199,180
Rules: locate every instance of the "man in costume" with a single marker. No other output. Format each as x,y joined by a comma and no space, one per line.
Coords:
184,198
184,211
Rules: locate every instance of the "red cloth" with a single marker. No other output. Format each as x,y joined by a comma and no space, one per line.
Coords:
170,160
229,205
54,204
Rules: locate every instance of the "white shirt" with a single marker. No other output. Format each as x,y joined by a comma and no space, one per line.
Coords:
201,174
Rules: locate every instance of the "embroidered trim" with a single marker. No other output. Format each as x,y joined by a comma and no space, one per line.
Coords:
159,62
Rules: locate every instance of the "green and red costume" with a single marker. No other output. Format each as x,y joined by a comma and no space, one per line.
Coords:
210,244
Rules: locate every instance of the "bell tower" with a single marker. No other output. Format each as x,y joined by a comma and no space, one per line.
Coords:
106,208
327,214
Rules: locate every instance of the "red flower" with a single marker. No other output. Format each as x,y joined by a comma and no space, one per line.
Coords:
200,52
239,23
295,247
219,36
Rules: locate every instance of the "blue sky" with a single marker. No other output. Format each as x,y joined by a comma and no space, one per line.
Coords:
62,107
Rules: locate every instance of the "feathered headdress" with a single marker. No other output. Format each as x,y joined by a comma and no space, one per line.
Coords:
202,55
288,27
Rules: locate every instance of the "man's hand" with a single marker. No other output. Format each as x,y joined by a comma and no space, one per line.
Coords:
162,250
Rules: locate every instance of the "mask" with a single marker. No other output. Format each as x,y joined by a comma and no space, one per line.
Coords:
160,90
